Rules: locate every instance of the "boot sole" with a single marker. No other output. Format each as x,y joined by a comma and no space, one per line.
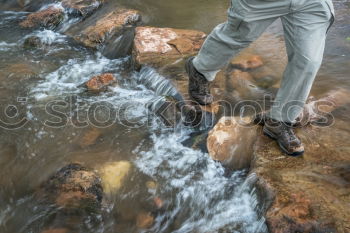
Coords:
187,68
273,136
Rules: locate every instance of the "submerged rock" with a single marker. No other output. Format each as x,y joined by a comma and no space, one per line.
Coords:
47,18
112,34
32,42
74,187
100,82
113,176
89,137
161,46
231,141
246,62
144,220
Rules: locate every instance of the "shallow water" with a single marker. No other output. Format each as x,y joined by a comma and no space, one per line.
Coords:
199,195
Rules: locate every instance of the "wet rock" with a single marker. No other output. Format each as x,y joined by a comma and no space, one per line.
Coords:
242,84
158,202
144,220
74,187
20,71
47,18
318,111
160,46
151,185
113,176
112,34
82,7
89,137
101,82
231,141
32,42
246,62
56,230
305,194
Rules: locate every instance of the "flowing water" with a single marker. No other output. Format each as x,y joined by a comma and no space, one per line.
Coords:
199,195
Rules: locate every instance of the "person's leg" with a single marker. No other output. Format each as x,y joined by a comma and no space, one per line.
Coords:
229,38
247,20
305,31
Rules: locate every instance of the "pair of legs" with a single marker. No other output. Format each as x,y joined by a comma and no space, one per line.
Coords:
305,24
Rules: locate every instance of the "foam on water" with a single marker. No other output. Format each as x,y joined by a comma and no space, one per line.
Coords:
67,78
210,200
4,46
49,37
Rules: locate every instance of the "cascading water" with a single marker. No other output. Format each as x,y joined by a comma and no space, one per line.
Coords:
198,194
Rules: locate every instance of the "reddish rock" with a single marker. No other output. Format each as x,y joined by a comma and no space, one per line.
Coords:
246,62
231,141
89,137
107,27
100,82
48,18
144,220
158,202
160,46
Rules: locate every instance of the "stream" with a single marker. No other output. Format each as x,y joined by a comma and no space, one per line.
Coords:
198,194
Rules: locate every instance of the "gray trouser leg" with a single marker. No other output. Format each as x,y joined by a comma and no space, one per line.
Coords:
225,41
305,24
305,36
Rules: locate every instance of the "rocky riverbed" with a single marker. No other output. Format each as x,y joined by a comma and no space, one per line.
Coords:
98,133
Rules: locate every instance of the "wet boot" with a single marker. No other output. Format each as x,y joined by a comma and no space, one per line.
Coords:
262,117
285,137
198,86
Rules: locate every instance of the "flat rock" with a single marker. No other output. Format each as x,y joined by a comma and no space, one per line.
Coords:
160,46
231,141
308,193
107,29
100,82
47,18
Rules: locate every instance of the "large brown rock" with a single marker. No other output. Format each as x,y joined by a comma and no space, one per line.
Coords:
97,34
160,46
308,193
48,18
73,187
231,142
100,83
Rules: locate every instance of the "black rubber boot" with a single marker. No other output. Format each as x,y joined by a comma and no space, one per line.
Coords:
198,86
